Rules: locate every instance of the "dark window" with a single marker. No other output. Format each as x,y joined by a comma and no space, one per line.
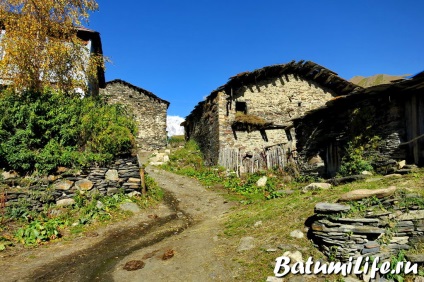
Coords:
241,107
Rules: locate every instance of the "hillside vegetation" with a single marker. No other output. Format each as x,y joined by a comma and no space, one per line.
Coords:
375,79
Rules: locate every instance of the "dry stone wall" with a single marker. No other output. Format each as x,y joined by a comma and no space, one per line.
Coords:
327,133
122,176
148,110
203,127
388,225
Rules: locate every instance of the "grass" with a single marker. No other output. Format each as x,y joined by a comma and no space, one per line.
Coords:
176,141
278,215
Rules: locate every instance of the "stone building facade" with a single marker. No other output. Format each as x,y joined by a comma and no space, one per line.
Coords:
392,115
245,125
148,110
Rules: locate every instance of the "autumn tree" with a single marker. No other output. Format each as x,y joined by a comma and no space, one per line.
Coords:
39,44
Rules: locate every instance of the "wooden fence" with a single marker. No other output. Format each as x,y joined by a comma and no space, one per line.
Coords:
238,161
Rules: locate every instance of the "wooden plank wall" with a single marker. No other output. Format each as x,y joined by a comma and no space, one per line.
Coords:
236,160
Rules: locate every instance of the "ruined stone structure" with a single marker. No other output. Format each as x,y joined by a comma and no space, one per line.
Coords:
394,222
392,114
245,125
148,110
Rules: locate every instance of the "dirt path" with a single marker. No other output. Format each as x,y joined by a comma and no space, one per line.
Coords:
189,225
199,251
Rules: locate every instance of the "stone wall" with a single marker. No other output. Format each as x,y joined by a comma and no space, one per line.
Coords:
203,127
274,95
389,224
121,176
148,110
327,132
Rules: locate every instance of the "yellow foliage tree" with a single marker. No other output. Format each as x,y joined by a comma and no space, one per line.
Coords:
40,48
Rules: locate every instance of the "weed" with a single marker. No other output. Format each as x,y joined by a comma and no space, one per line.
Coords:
39,231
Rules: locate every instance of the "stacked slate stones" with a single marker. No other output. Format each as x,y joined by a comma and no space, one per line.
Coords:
384,229
122,176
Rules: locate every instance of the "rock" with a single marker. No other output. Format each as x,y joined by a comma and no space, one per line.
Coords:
401,164
351,279
246,243
65,202
317,186
112,191
315,160
411,215
100,205
134,194
356,220
297,234
366,193
295,256
274,279
418,258
134,265
63,185
84,185
393,175
399,240
262,181
62,169
112,175
371,245
131,207
156,163
258,223
157,157
9,174
168,151
370,251
419,279
330,208
134,180
52,178
365,172
165,158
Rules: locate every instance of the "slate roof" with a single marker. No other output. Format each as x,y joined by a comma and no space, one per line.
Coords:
139,89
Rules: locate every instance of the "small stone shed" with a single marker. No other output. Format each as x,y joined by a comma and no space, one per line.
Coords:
149,112
245,125
391,114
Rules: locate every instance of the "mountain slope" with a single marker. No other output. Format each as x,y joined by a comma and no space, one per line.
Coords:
375,79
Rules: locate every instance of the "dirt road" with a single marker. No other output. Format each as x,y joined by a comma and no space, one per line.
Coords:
187,227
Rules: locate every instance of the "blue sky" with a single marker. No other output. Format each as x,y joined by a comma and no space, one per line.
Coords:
182,50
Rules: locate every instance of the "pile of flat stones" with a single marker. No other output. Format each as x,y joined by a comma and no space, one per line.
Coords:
121,176
383,231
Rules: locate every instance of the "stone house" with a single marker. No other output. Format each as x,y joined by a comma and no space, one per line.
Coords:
94,46
148,110
245,125
93,43
388,119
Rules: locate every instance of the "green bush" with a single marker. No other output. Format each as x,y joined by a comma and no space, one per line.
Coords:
40,131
